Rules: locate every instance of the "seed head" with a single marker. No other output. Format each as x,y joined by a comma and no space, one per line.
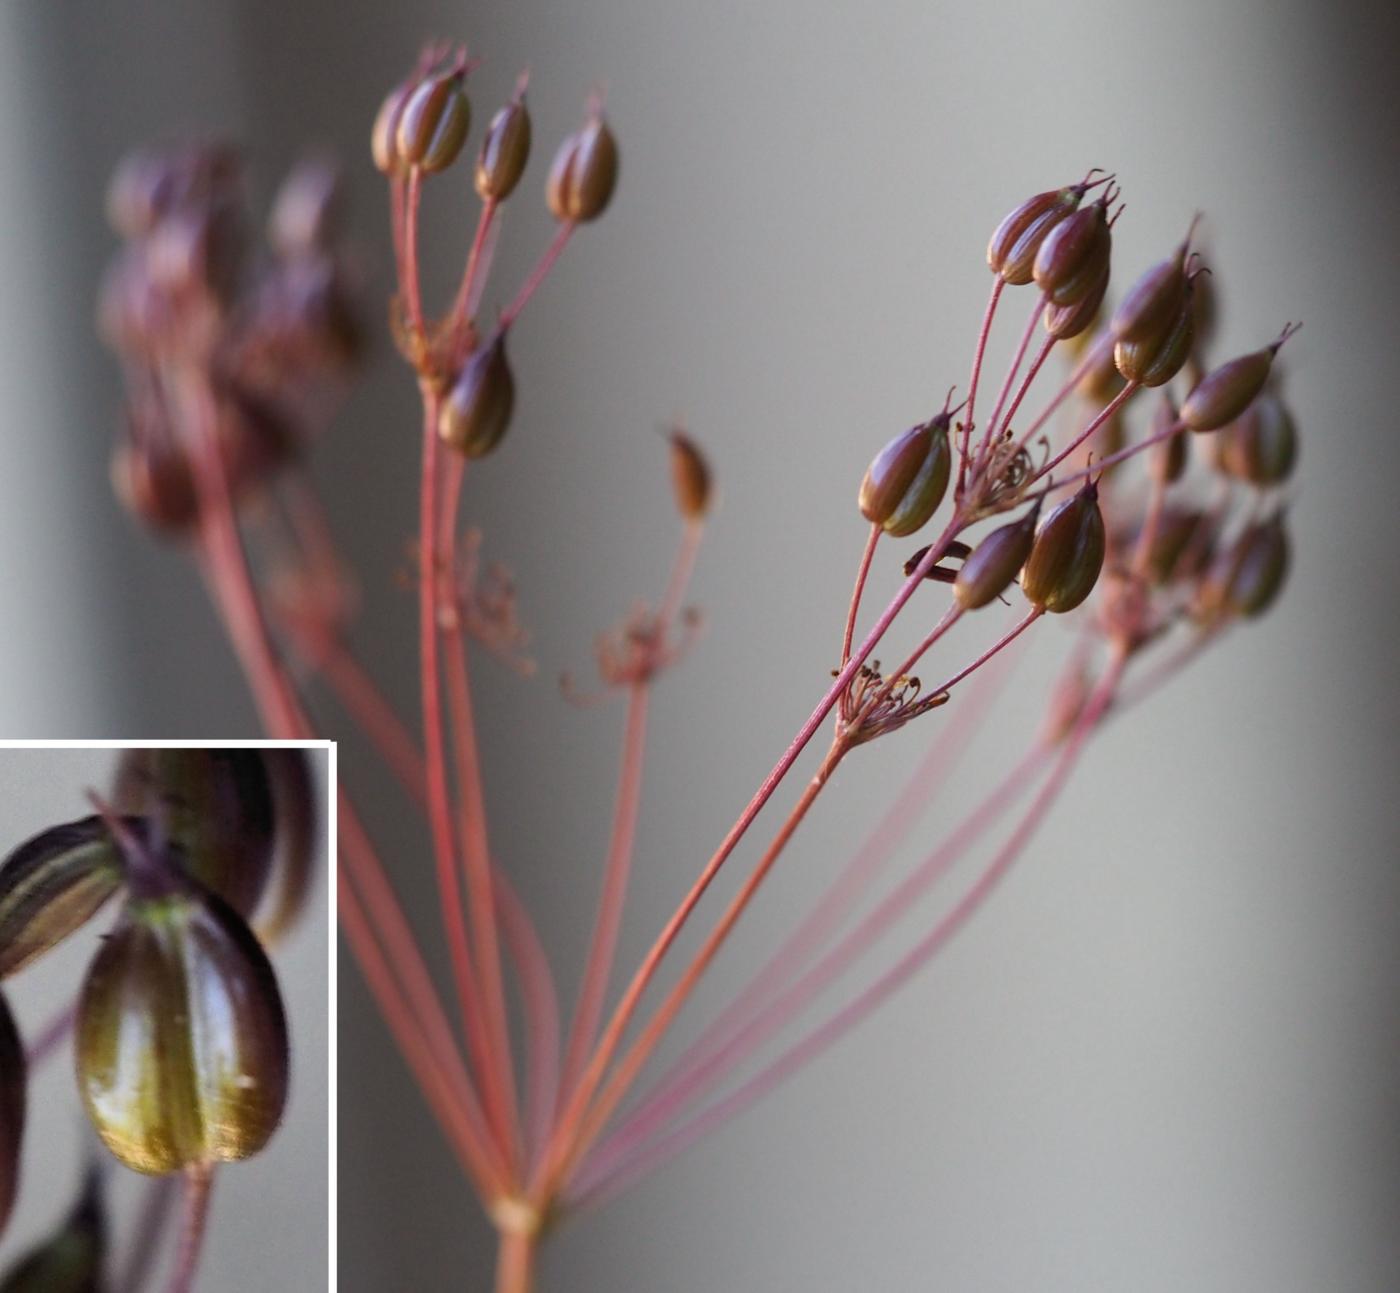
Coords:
1012,250
434,123
504,151
384,136
181,1039
1075,255
308,210
584,173
905,483
1067,555
1158,358
995,562
476,410
1225,392
1150,308
1261,564
1064,322
690,476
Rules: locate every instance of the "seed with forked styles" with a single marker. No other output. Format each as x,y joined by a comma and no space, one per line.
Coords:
51,885
72,1258
433,125
1260,445
1012,250
905,483
1157,359
13,1075
476,410
995,562
504,151
1067,555
584,173
1153,302
1225,392
181,1039
1064,322
690,476
1075,255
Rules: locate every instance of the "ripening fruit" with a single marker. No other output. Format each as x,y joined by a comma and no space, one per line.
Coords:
995,562
1225,392
51,885
295,844
1067,554
476,410
1075,256
12,1109
905,483
690,477
181,1041
1155,360
1065,322
215,805
1153,302
504,152
433,124
584,173
1012,250
1261,445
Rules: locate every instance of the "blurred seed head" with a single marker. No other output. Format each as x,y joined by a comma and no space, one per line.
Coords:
433,124
504,150
1261,445
308,210
584,173
690,476
384,135
1013,247
476,410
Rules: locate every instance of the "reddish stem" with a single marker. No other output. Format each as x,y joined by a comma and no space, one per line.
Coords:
985,444
1095,423
538,274
862,572
1091,357
999,645
199,1184
978,355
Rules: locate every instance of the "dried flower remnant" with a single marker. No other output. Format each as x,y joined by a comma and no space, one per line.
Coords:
1142,565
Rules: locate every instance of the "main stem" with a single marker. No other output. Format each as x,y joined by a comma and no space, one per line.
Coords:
515,1262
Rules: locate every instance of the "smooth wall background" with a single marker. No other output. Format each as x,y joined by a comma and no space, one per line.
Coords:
1166,1057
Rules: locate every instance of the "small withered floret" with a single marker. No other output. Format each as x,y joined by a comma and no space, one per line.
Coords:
584,173
476,410
1067,555
994,563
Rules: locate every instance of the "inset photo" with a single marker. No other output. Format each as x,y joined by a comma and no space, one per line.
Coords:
164,1006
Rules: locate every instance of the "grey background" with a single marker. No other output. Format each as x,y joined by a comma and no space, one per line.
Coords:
269,1218
1166,1058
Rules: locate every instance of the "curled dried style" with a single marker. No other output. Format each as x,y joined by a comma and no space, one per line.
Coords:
178,1030
1158,568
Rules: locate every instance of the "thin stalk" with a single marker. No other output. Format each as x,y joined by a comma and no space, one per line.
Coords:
978,355
1031,373
607,925
1091,357
538,274
631,999
631,1063
790,1004
985,444
413,292
515,1262
439,807
1095,423
461,305
924,950
999,645
1166,433
199,1184
862,572
841,897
